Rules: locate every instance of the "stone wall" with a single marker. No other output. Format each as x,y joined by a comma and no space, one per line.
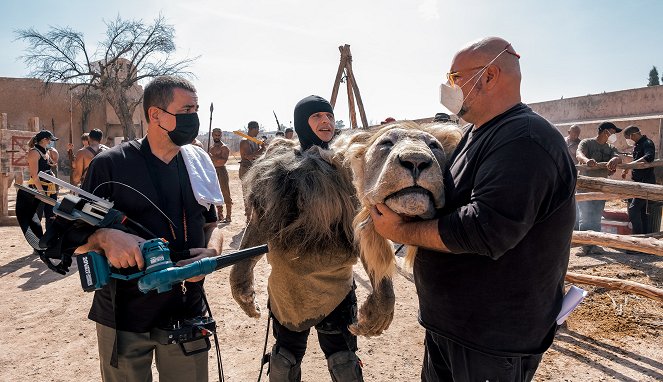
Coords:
23,98
642,107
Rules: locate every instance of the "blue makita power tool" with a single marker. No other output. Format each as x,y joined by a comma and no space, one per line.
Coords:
160,272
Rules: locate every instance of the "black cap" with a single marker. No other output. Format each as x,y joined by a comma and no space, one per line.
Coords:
630,130
44,134
608,126
441,117
304,109
289,130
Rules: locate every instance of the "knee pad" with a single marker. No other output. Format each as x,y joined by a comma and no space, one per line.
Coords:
283,367
345,366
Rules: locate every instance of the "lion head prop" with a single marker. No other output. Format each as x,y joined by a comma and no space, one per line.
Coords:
401,165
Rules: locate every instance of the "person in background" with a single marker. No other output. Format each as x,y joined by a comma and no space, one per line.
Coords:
643,151
219,152
86,154
85,141
289,133
572,141
248,152
591,152
39,159
442,117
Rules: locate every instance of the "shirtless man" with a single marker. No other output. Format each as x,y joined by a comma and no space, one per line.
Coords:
249,151
85,155
219,153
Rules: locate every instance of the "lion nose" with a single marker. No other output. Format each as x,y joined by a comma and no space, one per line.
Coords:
415,162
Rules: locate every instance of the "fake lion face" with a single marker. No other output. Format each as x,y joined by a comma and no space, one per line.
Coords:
402,165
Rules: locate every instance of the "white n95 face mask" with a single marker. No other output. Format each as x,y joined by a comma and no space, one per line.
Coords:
451,97
630,142
612,139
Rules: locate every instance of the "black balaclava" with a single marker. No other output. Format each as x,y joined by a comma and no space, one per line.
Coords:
304,109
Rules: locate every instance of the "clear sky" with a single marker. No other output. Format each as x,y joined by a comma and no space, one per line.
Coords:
259,56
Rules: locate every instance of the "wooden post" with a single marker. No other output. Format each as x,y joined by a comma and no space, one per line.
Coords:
33,124
649,245
616,284
339,75
621,187
584,196
355,87
351,102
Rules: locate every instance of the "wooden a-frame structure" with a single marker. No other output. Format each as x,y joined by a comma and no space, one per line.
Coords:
345,72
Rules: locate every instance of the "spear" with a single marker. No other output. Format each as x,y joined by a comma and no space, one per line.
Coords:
209,132
278,125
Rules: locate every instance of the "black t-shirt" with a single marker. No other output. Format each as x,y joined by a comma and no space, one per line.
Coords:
134,165
508,221
644,147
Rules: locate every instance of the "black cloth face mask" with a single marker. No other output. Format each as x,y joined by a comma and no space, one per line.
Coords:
186,128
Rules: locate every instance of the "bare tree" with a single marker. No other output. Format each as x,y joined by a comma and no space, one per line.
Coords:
88,98
132,51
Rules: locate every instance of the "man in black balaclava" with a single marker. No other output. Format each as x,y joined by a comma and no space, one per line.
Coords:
329,281
314,122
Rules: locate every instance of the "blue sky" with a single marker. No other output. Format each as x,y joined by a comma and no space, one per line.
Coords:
259,56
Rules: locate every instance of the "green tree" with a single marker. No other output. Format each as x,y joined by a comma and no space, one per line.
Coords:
340,124
131,51
653,77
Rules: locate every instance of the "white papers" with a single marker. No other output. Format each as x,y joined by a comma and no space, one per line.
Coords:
572,299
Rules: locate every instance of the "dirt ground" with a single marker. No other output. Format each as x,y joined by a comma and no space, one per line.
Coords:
45,335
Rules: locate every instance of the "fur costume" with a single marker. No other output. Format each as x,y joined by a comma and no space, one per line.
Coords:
303,205
300,211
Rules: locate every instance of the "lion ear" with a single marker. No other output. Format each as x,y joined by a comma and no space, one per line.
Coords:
351,145
448,134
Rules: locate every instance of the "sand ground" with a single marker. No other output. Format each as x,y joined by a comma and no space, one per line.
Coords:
45,335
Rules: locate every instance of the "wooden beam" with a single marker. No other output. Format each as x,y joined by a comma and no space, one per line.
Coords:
651,245
584,196
616,284
577,278
639,165
339,75
621,188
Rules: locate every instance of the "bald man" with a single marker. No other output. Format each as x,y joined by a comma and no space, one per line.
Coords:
490,267
572,141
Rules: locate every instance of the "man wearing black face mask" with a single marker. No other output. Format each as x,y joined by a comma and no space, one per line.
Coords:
154,166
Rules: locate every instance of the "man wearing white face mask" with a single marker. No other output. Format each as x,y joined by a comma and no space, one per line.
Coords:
643,151
591,151
490,267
